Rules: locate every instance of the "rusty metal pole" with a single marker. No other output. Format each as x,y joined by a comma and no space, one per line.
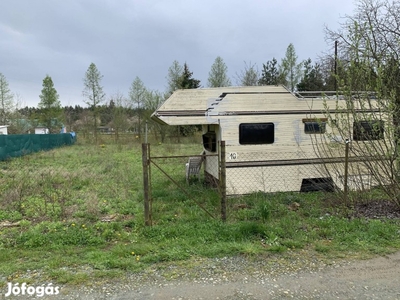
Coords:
149,192
222,181
146,187
346,172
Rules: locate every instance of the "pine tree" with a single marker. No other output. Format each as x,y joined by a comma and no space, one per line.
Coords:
270,73
181,78
312,79
186,81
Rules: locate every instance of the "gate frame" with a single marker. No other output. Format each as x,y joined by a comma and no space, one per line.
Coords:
147,160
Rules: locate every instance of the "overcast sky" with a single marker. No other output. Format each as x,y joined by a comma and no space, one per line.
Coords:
129,38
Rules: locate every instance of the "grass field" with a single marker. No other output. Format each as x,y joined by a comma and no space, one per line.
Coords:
81,207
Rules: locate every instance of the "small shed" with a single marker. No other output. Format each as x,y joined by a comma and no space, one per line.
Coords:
3,129
267,131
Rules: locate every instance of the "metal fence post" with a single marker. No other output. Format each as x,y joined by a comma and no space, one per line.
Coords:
346,172
145,133
222,181
146,184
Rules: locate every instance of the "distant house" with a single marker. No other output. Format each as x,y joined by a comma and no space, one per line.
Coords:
41,130
105,129
3,129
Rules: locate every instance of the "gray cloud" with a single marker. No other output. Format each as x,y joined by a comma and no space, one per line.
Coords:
129,38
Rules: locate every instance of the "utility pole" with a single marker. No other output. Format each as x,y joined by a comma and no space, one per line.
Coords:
336,72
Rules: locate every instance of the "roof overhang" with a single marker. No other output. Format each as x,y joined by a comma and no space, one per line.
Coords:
210,105
204,106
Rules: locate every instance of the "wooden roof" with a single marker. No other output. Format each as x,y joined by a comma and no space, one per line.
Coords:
204,106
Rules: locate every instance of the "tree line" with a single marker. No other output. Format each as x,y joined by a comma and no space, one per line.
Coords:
136,106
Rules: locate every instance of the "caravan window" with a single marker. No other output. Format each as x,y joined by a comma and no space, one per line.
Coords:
314,126
368,130
256,133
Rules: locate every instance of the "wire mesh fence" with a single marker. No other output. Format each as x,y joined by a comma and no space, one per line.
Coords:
172,178
215,183
303,169
286,169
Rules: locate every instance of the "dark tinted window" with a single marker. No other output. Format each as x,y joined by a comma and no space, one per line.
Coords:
368,130
256,133
210,141
314,127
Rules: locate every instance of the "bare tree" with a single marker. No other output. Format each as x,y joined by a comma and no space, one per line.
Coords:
6,100
373,31
249,76
119,114
153,100
368,82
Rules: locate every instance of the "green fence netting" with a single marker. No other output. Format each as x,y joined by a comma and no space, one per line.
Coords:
14,145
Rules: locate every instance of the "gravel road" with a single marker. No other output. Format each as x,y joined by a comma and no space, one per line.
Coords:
295,275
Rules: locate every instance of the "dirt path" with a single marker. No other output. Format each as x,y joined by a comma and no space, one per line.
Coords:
377,278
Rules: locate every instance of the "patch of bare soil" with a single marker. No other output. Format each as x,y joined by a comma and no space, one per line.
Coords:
377,209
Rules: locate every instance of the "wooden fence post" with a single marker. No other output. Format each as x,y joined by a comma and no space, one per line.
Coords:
222,181
146,184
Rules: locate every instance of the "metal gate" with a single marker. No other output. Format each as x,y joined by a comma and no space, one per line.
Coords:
167,176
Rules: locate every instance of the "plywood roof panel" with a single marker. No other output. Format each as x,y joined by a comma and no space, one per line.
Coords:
198,106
